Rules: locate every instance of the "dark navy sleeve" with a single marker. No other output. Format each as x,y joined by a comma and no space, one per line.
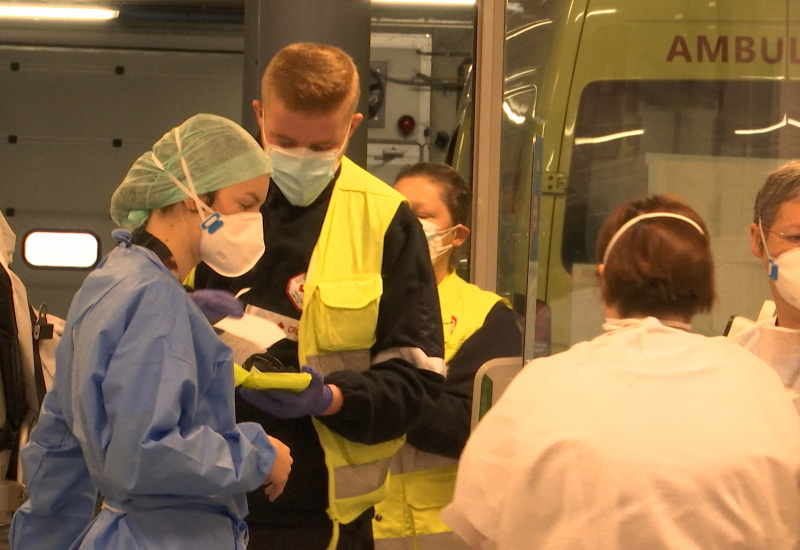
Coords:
444,427
385,401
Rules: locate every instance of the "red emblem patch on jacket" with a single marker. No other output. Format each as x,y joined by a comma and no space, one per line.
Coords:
295,292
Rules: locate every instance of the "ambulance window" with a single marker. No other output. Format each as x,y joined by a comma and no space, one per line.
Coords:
61,249
621,125
710,143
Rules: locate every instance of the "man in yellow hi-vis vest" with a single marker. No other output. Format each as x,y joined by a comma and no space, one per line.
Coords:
346,274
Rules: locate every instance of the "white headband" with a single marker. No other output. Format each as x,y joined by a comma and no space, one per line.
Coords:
641,217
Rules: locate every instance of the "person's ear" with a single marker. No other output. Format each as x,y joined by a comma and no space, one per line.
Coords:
608,310
460,235
600,269
189,205
756,245
258,109
354,122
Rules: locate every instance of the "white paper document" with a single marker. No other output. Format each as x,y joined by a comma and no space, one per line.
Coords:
248,335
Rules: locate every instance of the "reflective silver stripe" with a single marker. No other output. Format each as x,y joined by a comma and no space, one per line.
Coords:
343,360
410,459
435,541
441,541
405,543
415,356
359,360
357,480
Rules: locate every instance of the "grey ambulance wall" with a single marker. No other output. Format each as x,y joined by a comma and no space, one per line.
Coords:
72,122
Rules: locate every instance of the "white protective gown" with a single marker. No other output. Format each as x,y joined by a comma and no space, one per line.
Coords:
778,347
646,437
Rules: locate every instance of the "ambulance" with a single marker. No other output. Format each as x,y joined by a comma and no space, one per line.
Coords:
607,100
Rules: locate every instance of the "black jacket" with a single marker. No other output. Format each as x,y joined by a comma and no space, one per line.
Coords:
381,403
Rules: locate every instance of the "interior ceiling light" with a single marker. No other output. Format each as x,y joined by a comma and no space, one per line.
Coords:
783,123
609,137
56,11
429,2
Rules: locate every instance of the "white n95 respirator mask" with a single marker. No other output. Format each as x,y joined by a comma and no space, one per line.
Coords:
231,244
785,272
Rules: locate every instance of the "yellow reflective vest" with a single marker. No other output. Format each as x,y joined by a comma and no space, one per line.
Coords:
342,292
421,483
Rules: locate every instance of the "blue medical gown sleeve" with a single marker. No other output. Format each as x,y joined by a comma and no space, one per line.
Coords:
164,421
141,409
62,495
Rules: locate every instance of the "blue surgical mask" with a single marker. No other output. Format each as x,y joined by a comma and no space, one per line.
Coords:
302,174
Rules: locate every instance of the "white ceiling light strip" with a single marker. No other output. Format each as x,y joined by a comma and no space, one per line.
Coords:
429,2
56,12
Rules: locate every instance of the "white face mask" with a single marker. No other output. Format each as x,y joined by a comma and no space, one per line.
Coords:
785,271
436,236
230,244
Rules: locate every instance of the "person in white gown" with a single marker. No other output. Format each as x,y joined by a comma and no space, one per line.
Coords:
647,436
775,240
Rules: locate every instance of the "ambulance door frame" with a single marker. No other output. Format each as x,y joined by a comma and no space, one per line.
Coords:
488,97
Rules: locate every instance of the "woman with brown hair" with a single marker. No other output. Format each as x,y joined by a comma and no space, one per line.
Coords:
647,436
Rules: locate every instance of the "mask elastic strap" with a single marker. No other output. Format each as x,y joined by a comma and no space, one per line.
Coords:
445,232
440,232
442,252
772,269
200,204
641,217
264,144
211,222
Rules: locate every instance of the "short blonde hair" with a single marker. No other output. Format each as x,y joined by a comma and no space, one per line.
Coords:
311,79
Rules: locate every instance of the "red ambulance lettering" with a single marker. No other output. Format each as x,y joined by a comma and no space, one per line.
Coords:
704,48
679,48
765,53
746,49
745,52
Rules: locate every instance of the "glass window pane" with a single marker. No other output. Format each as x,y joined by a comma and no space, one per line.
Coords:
710,143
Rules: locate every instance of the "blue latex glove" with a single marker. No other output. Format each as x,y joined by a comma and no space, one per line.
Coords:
312,401
217,304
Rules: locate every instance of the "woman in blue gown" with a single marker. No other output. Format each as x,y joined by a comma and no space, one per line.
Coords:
141,410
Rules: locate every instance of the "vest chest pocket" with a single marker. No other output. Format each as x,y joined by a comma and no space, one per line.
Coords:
346,313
